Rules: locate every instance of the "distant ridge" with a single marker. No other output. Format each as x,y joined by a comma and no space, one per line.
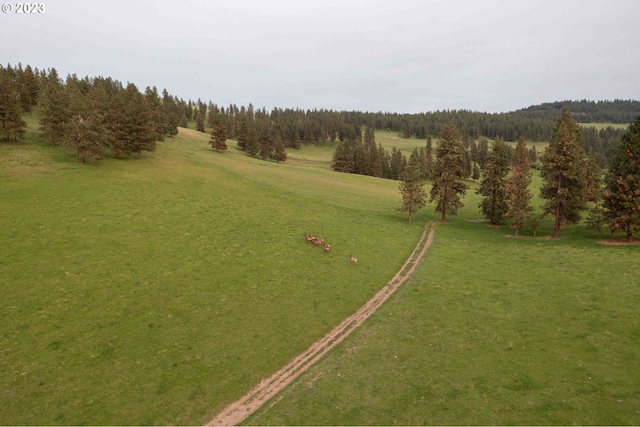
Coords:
584,111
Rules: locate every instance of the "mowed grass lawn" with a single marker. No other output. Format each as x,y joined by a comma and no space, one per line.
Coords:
157,291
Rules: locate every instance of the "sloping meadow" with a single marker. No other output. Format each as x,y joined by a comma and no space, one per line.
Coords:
156,291
491,330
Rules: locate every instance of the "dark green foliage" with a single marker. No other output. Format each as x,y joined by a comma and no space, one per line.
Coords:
492,185
85,137
622,183
517,193
412,190
157,115
28,88
483,152
429,157
265,140
279,152
343,158
449,171
11,124
563,173
202,114
533,154
218,139
129,124
475,174
54,109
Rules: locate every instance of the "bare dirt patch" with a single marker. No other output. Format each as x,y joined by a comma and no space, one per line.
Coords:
239,410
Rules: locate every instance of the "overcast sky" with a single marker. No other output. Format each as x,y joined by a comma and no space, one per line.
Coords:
405,56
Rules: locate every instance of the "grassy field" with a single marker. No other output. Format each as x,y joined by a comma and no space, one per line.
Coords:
600,126
157,291
490,331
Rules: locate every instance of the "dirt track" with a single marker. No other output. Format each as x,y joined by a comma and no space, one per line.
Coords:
239,410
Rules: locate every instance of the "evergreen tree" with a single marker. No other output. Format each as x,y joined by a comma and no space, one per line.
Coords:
157,115
622,190
562,172
492,185
414,197
342,160
218,139
533,154
265,140
129,124
85,137
279,152
28,89
11,124
449,170
429,158
202,113
397,163
483,152
54,109
374,167
143,128
475,174
517,193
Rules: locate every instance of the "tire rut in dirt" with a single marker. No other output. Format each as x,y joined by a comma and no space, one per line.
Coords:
239,410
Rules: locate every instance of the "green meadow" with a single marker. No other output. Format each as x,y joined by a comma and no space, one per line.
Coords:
600,126
158,291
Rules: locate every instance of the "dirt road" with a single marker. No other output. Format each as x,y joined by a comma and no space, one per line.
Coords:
239,410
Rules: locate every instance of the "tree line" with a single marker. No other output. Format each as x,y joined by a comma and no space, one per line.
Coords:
20,89
573,182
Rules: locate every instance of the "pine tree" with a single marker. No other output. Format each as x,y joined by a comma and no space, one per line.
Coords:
85,137
142,128
156,113
202,113
517,193
483,152
475,174
342,160
218,139
414,197
374,167
622,191
116,123
279,152
28,89
429,157
54,109
11,124
533,154
449,170
265,140
562,172
492,185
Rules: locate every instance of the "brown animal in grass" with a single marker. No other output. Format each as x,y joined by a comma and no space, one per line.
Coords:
326,247
353,260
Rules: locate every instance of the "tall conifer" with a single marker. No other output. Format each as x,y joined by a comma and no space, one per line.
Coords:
622,193
562,172
449,170
517,193
496,168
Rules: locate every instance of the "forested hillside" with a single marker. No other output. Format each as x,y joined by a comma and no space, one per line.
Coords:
95,114
616,111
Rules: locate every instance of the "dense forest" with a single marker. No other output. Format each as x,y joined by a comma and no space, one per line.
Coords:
93,114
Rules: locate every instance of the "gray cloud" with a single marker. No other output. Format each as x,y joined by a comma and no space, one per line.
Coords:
401,56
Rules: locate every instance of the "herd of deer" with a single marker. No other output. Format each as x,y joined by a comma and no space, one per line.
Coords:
325,246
